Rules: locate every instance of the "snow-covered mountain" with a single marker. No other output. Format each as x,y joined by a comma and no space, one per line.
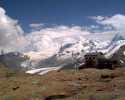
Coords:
80,48
71,53
117,37
65,55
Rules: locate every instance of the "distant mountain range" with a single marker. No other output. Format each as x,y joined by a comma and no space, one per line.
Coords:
71,53
67,55
13,60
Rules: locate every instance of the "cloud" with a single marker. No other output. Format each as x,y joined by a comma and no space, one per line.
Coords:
48,38
36,26
116,22
11,34
47,41
98,18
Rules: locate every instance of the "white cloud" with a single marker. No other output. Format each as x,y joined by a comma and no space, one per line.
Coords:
47,38
99,18
116,22
11,34
47,41
36,26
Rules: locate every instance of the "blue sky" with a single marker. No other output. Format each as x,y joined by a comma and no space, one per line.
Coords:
60,12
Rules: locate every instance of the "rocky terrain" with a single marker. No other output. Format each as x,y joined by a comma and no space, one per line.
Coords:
85,84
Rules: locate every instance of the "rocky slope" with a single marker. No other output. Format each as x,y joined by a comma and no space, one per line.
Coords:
86,84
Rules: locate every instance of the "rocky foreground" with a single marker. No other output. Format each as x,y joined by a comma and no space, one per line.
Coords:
85,84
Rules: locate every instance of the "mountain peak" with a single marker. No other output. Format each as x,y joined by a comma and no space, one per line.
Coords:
118,37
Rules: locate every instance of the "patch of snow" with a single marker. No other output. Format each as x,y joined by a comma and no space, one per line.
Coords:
42,71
